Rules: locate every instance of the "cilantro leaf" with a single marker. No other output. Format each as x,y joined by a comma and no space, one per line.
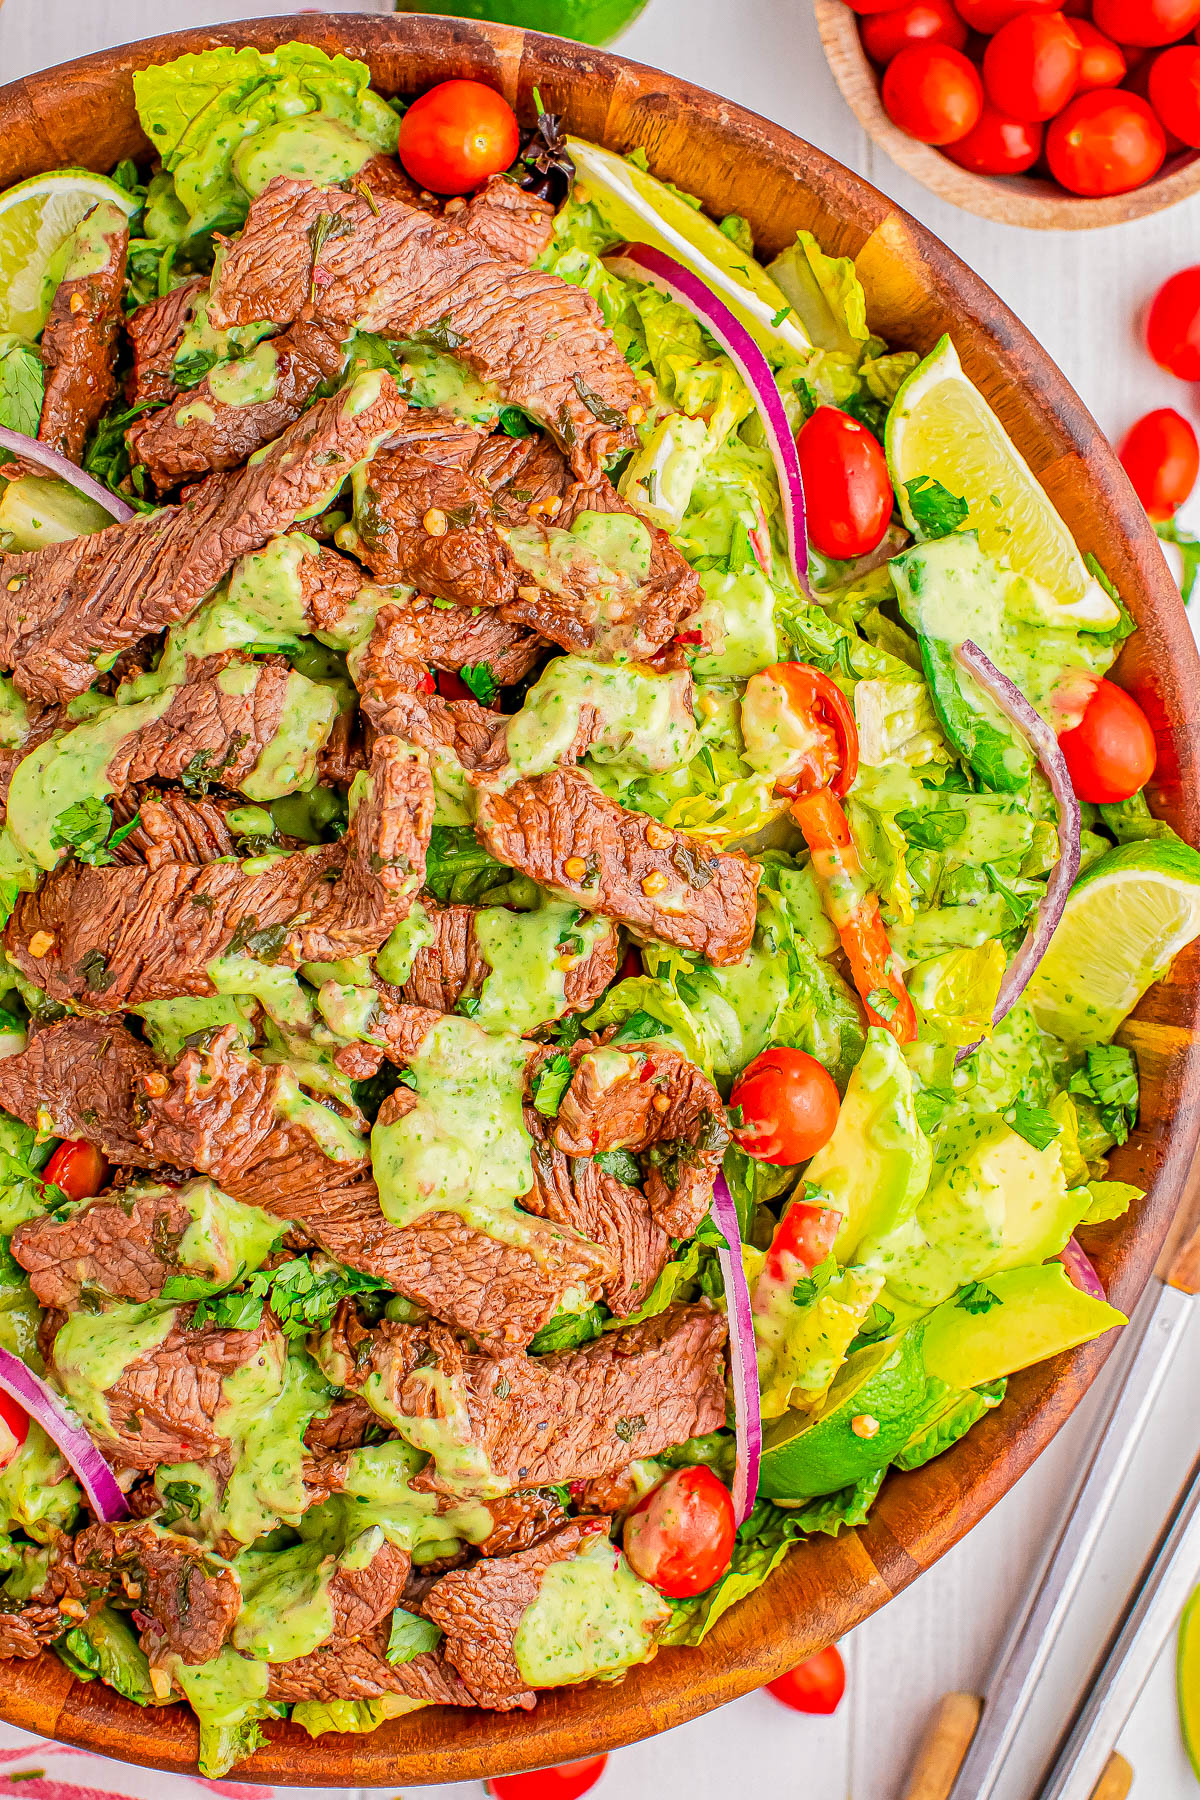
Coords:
1109,1078
935,509
513,423
975,1297
482,683
1034,1124
554,1078
883,1001
411,1636
84,827
622,1164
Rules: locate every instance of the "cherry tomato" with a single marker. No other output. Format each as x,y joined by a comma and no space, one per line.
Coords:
1173,325
679,1536
998,145
631,964
1146,22
870,7
847,488
789,1105
456,135
78,1168
1161,457
920,22
803,1239
1102,64
1031,66
990,15
565,1782
1110,753
795,707
815,1686
1106,142
1175,92
16,1419
933,92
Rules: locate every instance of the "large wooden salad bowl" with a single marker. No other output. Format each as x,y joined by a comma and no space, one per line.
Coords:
83,114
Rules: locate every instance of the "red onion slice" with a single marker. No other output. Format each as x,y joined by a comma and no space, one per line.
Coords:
63,469
1045,746
743,1354
642,262
1079,1267
61,1425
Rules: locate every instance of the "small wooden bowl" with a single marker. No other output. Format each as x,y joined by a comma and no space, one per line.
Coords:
1031,200
83,114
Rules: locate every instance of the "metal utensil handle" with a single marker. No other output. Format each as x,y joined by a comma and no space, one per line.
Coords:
1152,1338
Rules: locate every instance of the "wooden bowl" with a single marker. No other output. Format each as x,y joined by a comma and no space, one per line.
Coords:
83,113
1031,200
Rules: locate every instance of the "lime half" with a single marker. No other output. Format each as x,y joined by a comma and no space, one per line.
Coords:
1187,1669
645,210
590,21
1127,917
942,426
36,219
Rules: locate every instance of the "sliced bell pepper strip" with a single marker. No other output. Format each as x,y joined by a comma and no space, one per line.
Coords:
812,693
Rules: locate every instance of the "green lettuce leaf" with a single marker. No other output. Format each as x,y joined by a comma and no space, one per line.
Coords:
20,385
826,293
106,1649
962,1411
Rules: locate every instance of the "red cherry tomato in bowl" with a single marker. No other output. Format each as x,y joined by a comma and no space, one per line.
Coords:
1173,325
679,1536
998,145
848,496
884,35
567,1781
989,15
1031,66
1147,23
933,92
1104,143
1110,753
1174,92
815,1686
456,135
1161,457
1102,64
789,1105
78,1168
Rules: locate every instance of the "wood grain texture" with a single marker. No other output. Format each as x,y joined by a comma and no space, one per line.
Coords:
1030,200
917,289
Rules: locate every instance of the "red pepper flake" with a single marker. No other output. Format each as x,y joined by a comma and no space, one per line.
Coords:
647,1071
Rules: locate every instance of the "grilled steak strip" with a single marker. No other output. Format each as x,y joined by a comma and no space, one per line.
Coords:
512,222
79,343
453,965
87,1078
519,1520
200,431
66,1597
62,607
399,699
154,331
454,635
560,829
349,1669
123,1246
171,828
575,1192
534,1421
194,1599
402,272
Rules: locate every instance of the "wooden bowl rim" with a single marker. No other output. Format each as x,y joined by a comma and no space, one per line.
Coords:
1030,200
826,1586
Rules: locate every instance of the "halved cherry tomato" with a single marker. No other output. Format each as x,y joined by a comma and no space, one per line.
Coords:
1161,457
884,35
1175,92
789,1106
16,1419
803,710
998,145
1106,142
847,489
1031,66
679,1536
564,1782
933,92
815,1686
1110,753
1102,64
78,1168
854,910
1173,325
1146,22
456,135
803,1239
990,15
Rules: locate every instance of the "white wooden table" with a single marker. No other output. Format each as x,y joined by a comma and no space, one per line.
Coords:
1082,294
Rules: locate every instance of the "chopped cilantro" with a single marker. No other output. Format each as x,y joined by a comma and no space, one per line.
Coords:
481,681
1034,1124
975,1297
553,1080
936,510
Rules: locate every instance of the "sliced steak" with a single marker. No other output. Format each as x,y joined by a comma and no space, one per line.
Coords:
402,272
454,965
194,1598
362,1598
172,827
512,222
110,938
480,1609
359,1670
88,1079
560,829
532,1421
79,343
202,430
120,1247
580,1195
154,331
399,698
348,1425
63,607
519,1520
456,635
67,1596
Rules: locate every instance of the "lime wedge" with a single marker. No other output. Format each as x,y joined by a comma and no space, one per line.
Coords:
1127,916
36,219
941,426
646,211
882,1390
1187,1670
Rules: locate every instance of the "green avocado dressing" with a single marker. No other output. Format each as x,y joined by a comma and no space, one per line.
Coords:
335,1135
644,720
349,1010
592,1616
91,248
170,1023
246,380
605,554
394,962
93,1350
225,1236
203,344
310,148
378,1491
462,1464
224,1693
530,955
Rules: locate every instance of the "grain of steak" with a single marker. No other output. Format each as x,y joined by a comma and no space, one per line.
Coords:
349,1669
193,1598
454,965
155,330
79,343
120,1247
